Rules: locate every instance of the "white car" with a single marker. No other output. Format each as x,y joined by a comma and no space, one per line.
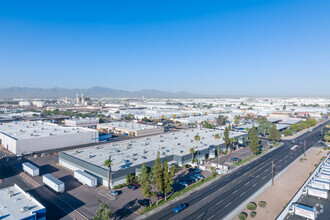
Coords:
113,193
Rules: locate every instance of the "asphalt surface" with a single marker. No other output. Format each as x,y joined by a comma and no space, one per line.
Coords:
221,197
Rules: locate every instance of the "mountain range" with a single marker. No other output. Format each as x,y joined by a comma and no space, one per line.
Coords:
94,92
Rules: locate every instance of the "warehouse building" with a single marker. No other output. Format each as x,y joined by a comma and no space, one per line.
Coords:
128,156
24,137
82,122
130,128
15,204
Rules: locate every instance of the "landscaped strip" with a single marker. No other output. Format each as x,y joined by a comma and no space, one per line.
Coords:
249,158
176,194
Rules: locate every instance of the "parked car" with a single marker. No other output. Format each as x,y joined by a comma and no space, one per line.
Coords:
191,169
132,187
234,159
194,177
179,208
270,143
160,195
197,170
136,184
200,176
113,193
144,202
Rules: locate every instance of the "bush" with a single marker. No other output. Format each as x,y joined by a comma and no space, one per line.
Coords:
325,148
253,214
115,187
186,166
251,206
262,204
242,216
316,165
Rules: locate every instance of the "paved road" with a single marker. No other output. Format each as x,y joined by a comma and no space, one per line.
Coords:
221,197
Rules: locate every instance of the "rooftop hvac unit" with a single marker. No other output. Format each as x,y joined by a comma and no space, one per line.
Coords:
175,138
181,151
191,140
143,157
42,128
162,140
145,143
64,131
134,159
50,134
163,153
77,131
160,135
147,138
145,151
11,193
90,156
31,134
187,135
25,208
172,133
203,137
20,130
177,144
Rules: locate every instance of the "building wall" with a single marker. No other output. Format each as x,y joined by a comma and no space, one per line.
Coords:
8,142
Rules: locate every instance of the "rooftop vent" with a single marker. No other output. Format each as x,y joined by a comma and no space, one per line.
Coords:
31,134
177,144
147,138
50,134
25,208
20,130
145,151
77,131
175,138
162,140
27,126
134,159
90,156
42,128
11,193
187,135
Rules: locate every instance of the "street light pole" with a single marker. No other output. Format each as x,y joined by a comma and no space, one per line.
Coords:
272,172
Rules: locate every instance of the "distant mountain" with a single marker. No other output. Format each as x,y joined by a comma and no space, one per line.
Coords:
94,92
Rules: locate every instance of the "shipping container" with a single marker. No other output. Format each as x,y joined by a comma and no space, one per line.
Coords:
85,178
302,210
30,169
53,182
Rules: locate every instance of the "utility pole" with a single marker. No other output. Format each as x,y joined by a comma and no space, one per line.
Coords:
304,148
272,172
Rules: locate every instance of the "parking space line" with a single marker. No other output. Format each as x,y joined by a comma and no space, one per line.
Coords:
219,202
242,193
264,177
210,217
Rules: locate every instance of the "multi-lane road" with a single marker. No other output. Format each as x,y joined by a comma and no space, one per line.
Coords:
221,197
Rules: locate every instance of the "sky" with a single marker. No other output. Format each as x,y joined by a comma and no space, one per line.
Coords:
220,47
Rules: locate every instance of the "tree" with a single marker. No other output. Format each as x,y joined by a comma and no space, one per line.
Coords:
197,138
157,175
208,125
192,151
144,180
226,138
168,179
108,163
103,213
232,142
217,137
130,178
272,132
254,140
145,119
288,132
221,120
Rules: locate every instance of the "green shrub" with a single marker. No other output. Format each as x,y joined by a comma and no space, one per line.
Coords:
253,214
115,187
316,165
251,206
325,148
242,216
262,204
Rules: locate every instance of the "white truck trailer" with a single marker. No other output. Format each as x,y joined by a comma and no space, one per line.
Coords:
85,178
53,182
302,210
325,184
294,147
30,169
324,176
319,193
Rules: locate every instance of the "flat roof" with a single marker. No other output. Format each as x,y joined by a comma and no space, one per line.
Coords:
10,207
133,126
27,130
291,121
134,152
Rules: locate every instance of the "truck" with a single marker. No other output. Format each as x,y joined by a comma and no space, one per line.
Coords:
53,182
324,184
324,176
319,193
294,147
30,169
85,178
325,171
302,210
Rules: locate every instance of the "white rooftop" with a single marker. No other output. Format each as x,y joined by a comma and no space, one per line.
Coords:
128,125
27,130
134,152
10,207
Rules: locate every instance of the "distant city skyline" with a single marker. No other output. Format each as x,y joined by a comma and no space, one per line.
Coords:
237,48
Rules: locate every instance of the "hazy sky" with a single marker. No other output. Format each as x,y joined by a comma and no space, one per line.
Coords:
229,47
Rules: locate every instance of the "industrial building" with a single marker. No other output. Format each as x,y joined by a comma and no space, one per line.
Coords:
130,128
15,204
128,156
24,137
82,122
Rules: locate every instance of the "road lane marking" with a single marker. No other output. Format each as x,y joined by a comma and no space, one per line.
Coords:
235,192
242,193
280,160
200,215
219,202
246,183
285,161
257,176
227,204
254,185
210,217
279,166
264,177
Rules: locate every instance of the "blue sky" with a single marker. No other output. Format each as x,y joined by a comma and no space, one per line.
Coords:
225,47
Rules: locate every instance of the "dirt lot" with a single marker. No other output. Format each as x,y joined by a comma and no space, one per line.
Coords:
285,187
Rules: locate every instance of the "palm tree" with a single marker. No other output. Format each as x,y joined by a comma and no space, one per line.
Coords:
217,136
197,138
108,163
192,151
232,142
